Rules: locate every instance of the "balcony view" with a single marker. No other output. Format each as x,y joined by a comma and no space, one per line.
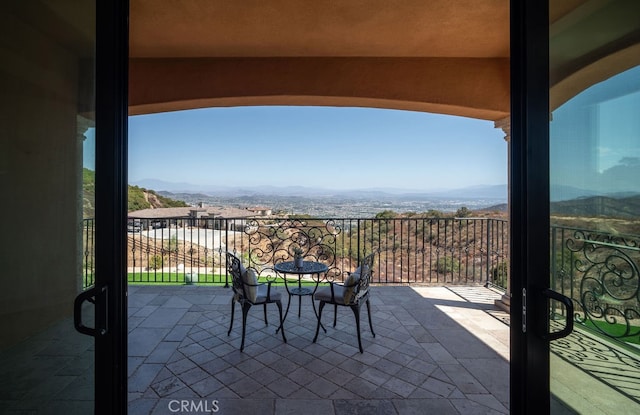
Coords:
344,185
181,228
320,207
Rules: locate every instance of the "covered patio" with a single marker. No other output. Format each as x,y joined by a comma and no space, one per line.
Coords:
441,350
438,349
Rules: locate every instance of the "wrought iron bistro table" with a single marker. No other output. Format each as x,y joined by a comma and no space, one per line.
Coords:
312,268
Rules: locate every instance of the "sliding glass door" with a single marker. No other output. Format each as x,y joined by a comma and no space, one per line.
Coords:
47,79
575,212
62,108
594,142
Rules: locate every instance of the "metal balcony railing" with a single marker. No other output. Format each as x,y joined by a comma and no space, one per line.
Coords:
599,272
408,250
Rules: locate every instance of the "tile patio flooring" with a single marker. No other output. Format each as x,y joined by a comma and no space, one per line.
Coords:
437,350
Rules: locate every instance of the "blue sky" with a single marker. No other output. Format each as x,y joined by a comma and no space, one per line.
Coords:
595,137
324,147
327,147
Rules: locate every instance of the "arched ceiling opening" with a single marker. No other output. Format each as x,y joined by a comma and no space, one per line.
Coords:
435,56
440,56
610,44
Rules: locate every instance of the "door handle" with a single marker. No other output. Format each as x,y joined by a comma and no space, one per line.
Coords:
89,295
568,304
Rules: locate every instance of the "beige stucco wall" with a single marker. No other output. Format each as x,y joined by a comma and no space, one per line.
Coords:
39,177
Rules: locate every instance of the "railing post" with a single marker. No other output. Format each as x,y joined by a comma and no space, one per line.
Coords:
554,264
226,244
358,243
488,269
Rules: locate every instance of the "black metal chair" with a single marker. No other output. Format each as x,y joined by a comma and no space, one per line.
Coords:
248,292
352,293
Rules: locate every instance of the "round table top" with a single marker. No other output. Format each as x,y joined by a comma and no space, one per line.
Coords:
308,267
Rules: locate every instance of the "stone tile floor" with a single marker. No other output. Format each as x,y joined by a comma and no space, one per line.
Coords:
49,373
436,350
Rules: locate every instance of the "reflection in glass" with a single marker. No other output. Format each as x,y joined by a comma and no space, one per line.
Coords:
595,247
47,102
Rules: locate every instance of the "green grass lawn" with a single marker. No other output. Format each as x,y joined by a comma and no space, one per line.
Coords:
150,278
615,330
172,278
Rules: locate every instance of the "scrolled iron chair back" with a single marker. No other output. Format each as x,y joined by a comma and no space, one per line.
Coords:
366,267
352,294
234,267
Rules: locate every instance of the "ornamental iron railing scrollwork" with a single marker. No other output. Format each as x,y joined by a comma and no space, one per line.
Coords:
272,243
599,272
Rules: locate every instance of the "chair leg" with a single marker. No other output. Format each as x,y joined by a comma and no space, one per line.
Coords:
369,313
335,314
356,312
279,304
266,323
322,303
245,310
286,313
233,307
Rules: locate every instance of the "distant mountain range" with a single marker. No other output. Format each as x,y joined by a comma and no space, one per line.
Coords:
565,200
485,192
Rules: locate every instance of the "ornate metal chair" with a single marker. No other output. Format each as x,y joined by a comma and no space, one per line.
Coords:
352,293
248,292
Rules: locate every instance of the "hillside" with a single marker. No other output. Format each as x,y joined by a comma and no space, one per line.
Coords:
599,206
591,207
138,198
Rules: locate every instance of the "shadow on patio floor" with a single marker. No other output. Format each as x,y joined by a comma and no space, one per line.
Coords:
434,352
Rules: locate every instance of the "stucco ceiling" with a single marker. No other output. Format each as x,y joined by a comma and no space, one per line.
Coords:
590,41
344,28
446,56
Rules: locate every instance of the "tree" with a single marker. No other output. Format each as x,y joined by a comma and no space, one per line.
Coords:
386,214
447,264
156,262
463,212
433,213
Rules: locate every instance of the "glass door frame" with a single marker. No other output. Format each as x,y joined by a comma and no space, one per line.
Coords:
529,209
112,55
